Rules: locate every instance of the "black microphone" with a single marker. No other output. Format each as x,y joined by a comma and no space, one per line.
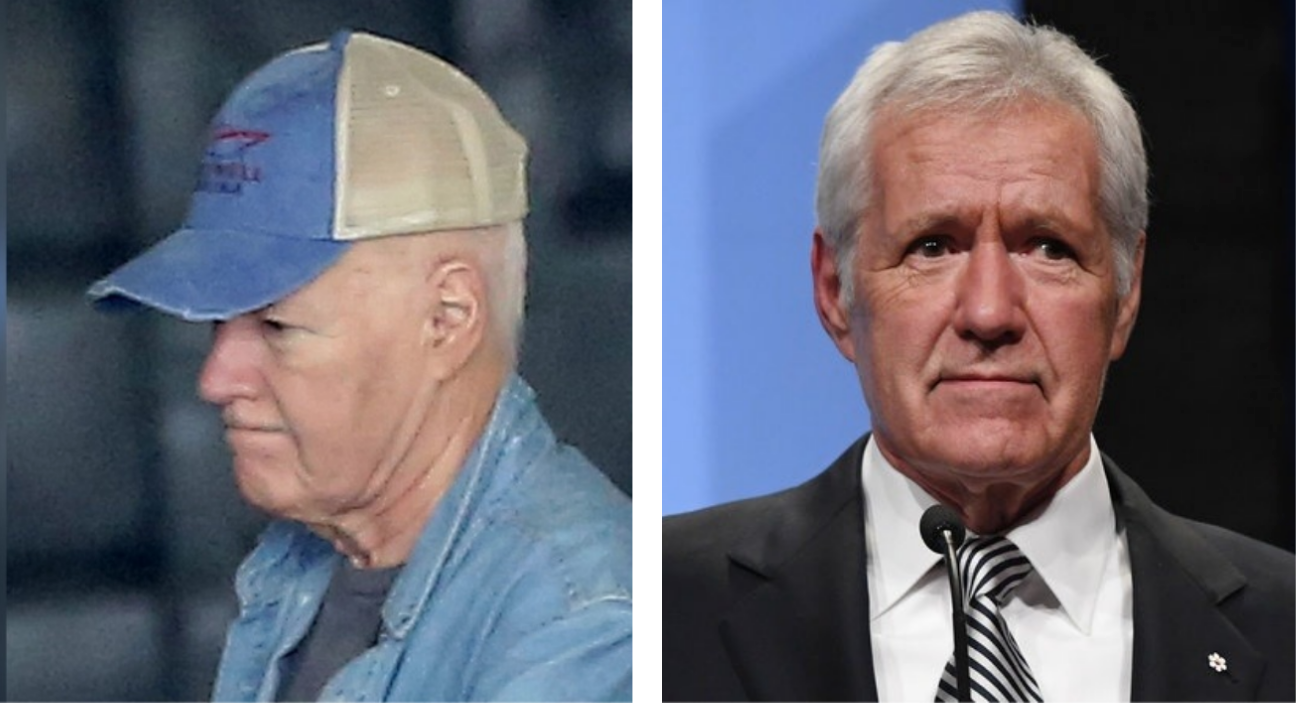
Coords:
943,532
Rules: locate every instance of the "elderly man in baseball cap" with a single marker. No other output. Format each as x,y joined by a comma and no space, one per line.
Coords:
355,236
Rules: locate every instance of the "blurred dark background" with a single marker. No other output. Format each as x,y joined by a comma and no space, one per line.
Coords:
124,525
1200,410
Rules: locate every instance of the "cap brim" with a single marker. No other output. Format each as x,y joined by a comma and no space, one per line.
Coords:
215,275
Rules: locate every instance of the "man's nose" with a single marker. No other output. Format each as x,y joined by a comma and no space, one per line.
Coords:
230,371
990,297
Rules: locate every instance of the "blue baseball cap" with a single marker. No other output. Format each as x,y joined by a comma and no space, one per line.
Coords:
323,146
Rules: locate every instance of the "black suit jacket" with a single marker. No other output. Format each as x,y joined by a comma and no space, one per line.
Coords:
766,599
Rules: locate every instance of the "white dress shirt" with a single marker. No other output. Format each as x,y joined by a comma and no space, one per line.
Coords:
1072,616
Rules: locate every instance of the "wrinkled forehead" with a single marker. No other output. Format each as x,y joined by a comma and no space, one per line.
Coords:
1036,163
1009,130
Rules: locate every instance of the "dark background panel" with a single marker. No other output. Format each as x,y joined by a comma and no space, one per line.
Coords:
124,524
1200,410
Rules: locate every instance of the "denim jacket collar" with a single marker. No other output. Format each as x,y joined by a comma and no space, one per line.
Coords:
480,481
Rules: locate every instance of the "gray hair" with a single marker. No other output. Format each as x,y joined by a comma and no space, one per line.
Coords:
504,256
980,62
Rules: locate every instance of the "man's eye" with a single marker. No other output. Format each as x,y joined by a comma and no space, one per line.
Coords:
273,326
1053,249
930,247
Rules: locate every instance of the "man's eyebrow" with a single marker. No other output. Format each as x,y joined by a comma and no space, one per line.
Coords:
925,222
1052,221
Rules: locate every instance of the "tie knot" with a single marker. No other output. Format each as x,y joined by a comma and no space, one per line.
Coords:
992,566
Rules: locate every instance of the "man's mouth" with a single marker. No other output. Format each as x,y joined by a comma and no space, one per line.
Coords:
252,428
987,380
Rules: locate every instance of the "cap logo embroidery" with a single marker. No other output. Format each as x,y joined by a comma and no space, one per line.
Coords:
224,166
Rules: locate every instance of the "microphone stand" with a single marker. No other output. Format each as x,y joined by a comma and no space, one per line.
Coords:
960,618
943,531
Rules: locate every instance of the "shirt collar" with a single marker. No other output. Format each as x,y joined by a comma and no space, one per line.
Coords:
1069,542
893,505
514,433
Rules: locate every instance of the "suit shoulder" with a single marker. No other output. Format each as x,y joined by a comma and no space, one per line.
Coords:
696,546
783,518
715,529
1265,566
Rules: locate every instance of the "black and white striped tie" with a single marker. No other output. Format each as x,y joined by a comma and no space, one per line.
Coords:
992,567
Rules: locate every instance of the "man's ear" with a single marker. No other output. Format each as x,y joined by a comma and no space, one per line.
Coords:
827,295
455,321
1127,307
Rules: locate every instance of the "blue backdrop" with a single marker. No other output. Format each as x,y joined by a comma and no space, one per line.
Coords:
755,397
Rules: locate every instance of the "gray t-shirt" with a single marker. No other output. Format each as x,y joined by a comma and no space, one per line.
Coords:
348,623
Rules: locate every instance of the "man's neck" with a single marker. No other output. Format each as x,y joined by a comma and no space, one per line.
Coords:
986,506
384,531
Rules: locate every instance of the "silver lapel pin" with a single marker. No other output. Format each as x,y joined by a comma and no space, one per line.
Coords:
1217,662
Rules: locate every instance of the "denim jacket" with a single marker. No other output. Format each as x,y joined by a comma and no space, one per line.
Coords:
517,590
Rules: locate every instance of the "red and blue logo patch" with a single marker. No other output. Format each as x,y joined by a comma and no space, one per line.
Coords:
226,166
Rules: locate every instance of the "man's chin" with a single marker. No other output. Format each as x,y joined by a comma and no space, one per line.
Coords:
987,451
262,487
990,469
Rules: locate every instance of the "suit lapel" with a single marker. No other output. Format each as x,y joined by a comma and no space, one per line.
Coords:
1180,582
800,633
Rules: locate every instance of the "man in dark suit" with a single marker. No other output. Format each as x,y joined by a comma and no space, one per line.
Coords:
981,226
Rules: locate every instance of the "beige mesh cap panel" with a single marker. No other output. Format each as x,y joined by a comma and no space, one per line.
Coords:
420,146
